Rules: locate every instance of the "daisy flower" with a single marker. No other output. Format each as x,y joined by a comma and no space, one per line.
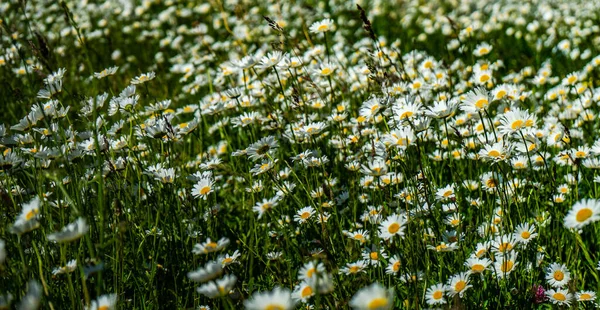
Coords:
585,296
210,246
560,297
203,188
393,266
71,232
354,268
210,271
106,72
392,226
322,26
477,265
582,213
476,101
220,287
304,214
505,264
557,275
373,297
104,302
458,284
143,78
435,294
304,291
279,298
311,270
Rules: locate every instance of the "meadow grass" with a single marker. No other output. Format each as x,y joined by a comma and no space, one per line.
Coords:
299,154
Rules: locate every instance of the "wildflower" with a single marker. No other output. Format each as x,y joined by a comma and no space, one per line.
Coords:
392,226
104,302
71,232
263,167
524,233
435,294
272,59
354,268
227,259
476,101
31,300
304,214
505,264
539,294
372,297
265,205
210,271
106,72
210,246
311,270
28,219
143,78
70,267
262,148
304,291
583,212
559,297
458,284
322,26
278,298
203,187
477,265
393,266
220,287
586,296
557,275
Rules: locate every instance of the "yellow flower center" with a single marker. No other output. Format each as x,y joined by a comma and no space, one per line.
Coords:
559,296
438,295
211,245
585,296
377,303
30,214
558,275
205,190
478,268
323,28
374,255
460,285
394,228
103,307
507,266
307,291
494,153
505,247
583,215
481,103
305,215
274,307
396,266
525,235
310,272
406,114
517,124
